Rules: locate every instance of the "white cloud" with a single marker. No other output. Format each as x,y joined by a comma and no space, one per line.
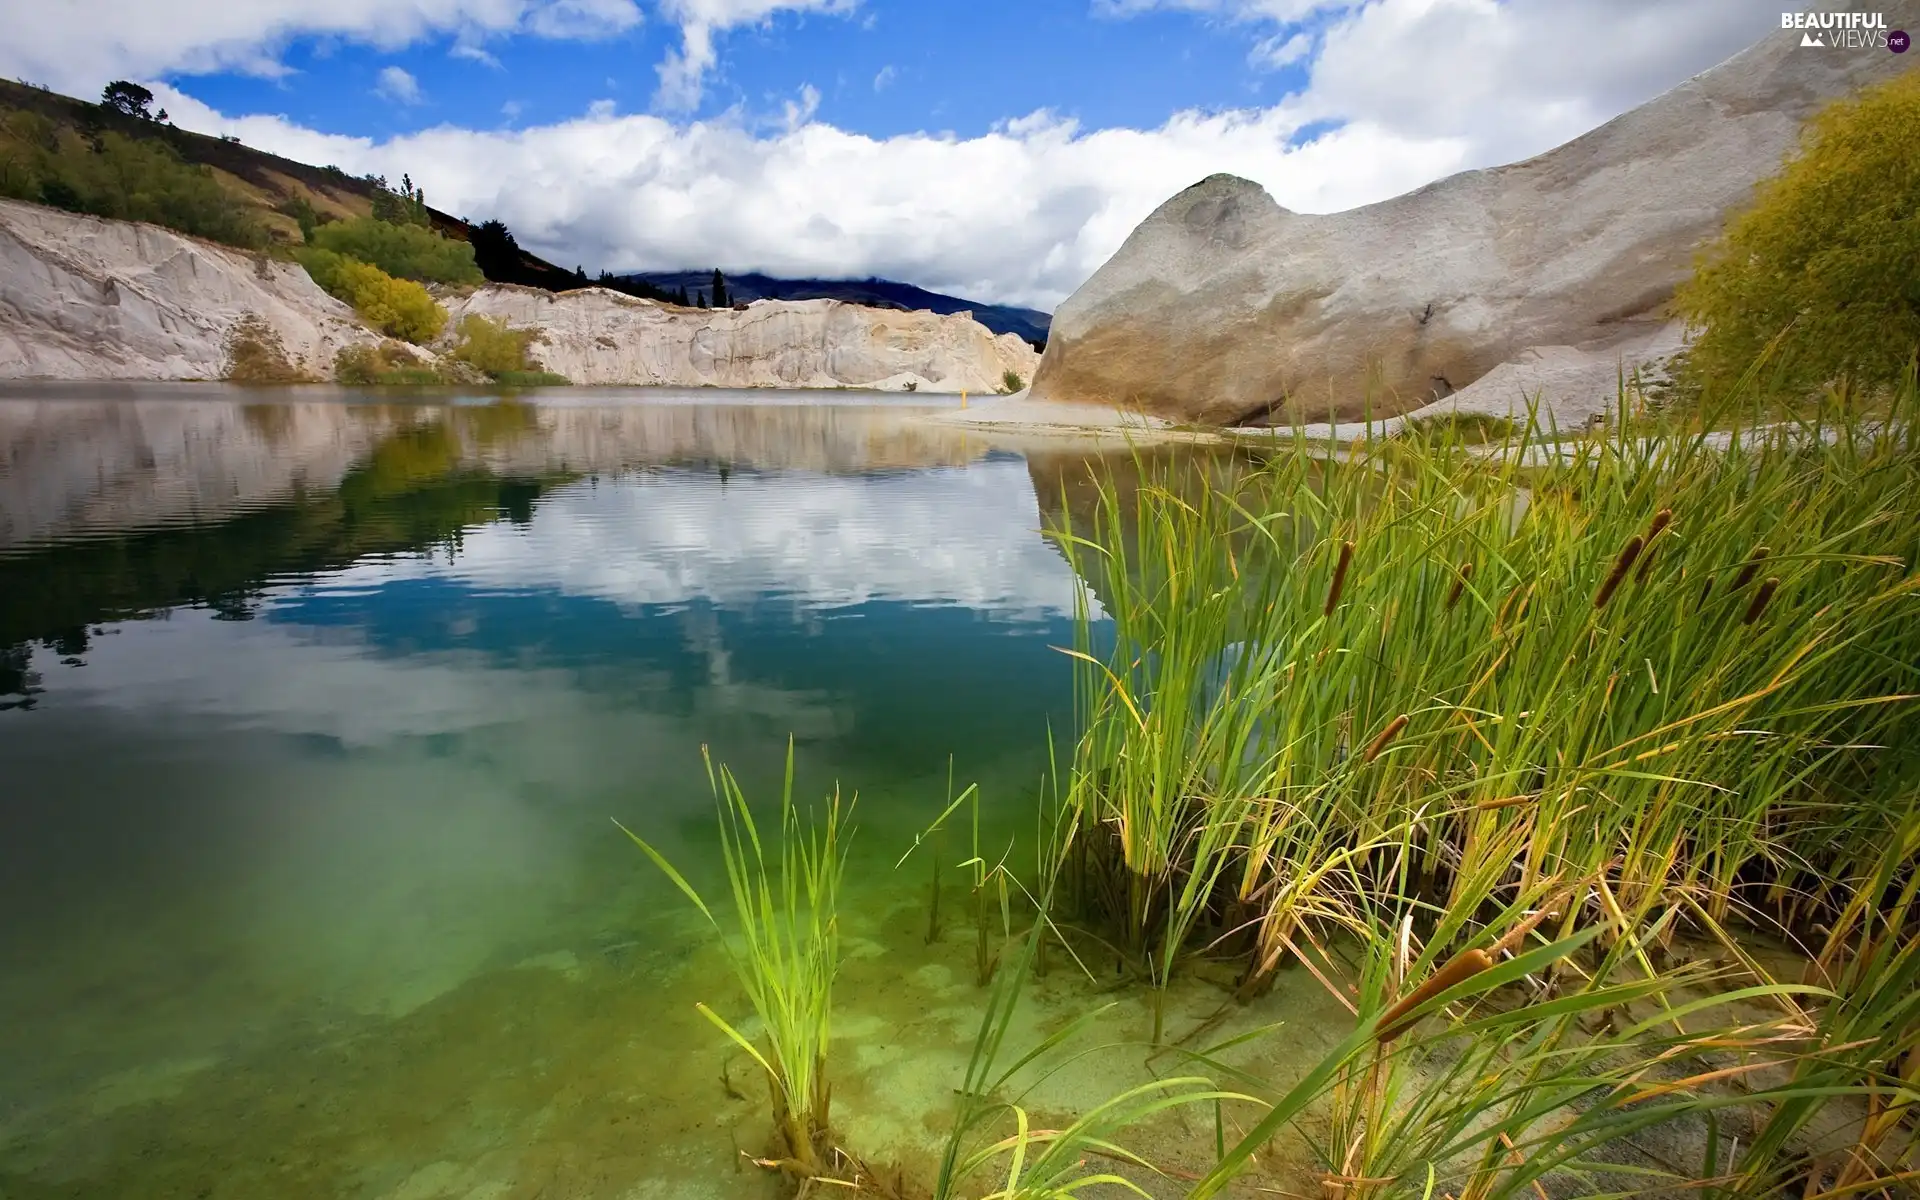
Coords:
885,78
397,85
683,73
1406,90
474,52
77,46
1280,51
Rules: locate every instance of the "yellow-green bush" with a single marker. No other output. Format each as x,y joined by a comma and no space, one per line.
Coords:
1824,259
114,175
396,307
401,250
493,346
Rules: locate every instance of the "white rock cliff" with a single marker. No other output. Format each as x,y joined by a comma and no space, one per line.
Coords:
1224,307
87,298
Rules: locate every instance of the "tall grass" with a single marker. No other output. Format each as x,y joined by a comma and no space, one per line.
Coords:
785,950
1567,741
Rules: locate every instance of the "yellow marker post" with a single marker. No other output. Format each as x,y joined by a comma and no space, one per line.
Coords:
963,398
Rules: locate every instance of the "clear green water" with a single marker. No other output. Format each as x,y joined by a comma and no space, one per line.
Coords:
315,715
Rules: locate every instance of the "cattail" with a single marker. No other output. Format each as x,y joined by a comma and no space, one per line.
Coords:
1379,745
1661,520
1459,969
1621,566
1760,599
1339,577
1459,584
1753,565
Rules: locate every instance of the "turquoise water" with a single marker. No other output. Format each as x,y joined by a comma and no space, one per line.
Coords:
316,711
317,715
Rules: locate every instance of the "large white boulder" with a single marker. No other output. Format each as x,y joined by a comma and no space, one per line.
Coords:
1223,307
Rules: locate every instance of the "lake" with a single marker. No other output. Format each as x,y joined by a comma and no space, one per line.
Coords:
316,712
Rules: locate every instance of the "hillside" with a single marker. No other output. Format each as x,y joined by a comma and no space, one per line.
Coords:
1026,323
268,186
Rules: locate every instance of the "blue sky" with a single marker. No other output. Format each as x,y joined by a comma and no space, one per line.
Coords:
999,149
942,65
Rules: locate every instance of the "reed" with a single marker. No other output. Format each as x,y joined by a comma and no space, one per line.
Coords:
784,948
1400,764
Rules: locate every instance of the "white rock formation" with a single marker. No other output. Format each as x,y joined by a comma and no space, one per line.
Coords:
88,298
1222,304
596,336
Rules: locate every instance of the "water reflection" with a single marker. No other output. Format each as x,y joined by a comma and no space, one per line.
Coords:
318,712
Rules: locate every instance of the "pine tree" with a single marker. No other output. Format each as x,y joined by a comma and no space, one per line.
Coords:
719,289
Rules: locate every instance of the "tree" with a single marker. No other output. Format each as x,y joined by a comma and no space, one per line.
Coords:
719,289
1824,258
128,99
680,297
495,251
703,299
406,251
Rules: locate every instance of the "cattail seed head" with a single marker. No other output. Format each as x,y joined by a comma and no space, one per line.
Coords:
1459,584
1379,744
1760,599
1459,969
1621,566
1752,567
1661,520
1339,577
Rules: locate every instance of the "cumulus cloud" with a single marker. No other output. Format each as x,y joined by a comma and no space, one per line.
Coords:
1401,93
398,85
76,47
1022,214
683,73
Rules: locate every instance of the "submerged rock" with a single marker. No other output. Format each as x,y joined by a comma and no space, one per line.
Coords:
1223,307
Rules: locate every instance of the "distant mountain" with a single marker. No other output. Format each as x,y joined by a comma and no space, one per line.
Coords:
1028,323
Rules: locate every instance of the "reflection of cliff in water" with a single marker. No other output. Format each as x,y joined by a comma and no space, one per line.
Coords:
71,467
122,508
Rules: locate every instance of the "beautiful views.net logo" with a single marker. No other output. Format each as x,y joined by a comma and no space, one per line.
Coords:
1846,31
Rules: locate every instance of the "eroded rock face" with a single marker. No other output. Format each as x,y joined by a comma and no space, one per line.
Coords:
88,298
596,336
1223,307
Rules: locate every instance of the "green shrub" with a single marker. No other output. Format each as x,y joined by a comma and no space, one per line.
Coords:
397,307
1011,382
403,251
493,347
114,175
1824,258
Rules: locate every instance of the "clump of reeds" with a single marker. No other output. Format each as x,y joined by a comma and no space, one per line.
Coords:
785,951
1703,776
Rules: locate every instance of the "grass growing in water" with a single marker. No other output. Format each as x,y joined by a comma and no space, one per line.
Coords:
1544,742
785,952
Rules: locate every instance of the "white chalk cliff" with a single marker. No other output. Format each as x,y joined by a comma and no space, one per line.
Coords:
87,298
1224,307
596,336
